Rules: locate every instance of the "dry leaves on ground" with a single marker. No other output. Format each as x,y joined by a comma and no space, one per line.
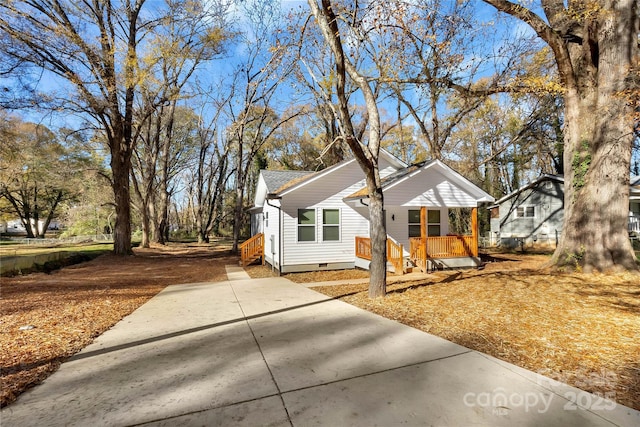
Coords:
64,311
582,329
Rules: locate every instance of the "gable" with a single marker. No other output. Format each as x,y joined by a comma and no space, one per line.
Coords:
387,165
430,183
524,190
270,181
430,187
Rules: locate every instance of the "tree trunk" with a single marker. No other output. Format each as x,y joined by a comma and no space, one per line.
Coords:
146,222
162,222
367,158
378,233
598,141
162,225
595,235
239,192
237,214
595,45
51,213
121,167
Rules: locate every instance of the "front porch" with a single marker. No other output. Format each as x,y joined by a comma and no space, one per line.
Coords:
634,224
428,253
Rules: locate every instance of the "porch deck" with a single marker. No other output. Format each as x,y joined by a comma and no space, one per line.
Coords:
422,251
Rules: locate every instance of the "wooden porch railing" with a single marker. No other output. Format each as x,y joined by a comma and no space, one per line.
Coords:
394,252
395,256
442,247
417,253
252,249
634,223
363,247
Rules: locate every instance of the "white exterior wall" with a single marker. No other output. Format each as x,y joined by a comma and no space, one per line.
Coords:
398,223
428,188
271,227
324,193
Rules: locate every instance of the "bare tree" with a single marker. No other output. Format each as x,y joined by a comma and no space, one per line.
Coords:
174,54
366,156
252,110
94,47
38,173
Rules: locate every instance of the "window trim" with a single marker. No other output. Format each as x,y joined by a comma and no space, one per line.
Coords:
433,224
298,225
524,211
338,225
409,224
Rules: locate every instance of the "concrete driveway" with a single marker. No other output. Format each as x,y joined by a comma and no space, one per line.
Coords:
260,352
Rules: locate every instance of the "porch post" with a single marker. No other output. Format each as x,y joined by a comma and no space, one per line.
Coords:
474,230
423,235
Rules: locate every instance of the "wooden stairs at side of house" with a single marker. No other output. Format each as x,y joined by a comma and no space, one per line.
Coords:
252,249
395,258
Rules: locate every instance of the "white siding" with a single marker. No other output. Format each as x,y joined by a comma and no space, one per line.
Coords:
428,188
271,227
326,192
398,223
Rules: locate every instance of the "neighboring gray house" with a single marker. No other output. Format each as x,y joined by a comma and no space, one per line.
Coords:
535,213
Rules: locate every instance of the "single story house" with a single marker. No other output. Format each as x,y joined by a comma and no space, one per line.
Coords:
534,213
304,221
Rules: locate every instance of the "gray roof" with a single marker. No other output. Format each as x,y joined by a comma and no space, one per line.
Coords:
276,179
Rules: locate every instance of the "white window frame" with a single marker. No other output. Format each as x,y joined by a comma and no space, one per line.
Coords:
338,225
525,209
438,224
410,224
314,225
413,224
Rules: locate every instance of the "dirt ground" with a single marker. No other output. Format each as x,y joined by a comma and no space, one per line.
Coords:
577,328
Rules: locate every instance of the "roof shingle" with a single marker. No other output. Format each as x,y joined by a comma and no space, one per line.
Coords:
275,179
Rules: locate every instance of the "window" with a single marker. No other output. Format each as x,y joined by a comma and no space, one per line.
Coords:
414,223
306,225
433,223
330,225
266,219
525,212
